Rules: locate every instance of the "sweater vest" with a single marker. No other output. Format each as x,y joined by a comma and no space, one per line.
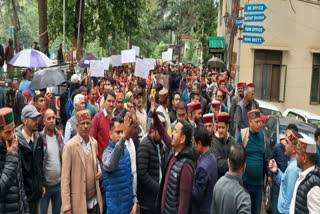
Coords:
118,184
311,180
171,203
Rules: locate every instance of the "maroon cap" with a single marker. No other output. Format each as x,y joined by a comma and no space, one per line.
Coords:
223,117
194,106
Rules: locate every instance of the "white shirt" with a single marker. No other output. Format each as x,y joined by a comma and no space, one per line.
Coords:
26,136
313,196
166,116
132,151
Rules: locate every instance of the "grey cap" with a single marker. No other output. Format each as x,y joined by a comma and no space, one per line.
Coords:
30,111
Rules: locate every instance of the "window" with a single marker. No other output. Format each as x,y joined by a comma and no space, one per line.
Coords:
269,75
315,81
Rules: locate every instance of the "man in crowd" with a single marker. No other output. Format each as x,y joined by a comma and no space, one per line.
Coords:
139,110
244,106
206,173
116,169
119,105
234,102
52,164
150,159
31,149
80,188
306,194
208,123
101,122
221,144
175,100
93,97
317,139
202,100
229,195
71,126
286,180
195,114
253,140
182,113
163,105
25,83
12,194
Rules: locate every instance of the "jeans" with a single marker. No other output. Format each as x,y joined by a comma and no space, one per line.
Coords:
255,192
53,193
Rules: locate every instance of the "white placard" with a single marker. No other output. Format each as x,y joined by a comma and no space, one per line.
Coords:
166,56
150,62
142,69
128,56
115,60
86,62
137,50
97,68
106,62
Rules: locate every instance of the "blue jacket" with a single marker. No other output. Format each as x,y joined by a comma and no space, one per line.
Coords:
287,181
185,96
118,184
205,178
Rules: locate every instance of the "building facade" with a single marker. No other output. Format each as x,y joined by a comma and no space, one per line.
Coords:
285,68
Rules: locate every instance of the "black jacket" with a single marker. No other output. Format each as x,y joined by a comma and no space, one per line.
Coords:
32,165
148,172
12,195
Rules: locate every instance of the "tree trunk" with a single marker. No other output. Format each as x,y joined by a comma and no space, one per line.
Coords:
76,43
43,26
16,25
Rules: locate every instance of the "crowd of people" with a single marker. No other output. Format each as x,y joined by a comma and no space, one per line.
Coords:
184,140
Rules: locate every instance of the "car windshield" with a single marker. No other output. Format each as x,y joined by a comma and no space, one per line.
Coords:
269,112
306,132
314,122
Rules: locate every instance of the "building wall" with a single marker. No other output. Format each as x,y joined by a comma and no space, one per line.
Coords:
297,34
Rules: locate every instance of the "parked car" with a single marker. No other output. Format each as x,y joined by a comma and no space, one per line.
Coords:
303,115
276,125
268,108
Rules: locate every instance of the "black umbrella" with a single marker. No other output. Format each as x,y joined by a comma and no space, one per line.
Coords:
88,56
47,78
215,62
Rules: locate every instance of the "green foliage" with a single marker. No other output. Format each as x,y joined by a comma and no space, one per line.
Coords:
159,49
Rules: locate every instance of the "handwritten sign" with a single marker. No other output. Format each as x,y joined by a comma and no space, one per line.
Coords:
97,68
167,55
150,62
106,62
128,56
136,49
115,60
142,69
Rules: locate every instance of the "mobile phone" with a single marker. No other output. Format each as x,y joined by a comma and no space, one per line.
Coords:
153,92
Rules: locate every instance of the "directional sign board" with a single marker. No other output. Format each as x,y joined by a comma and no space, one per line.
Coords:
238,21
259,17
258,40
253,29
250,8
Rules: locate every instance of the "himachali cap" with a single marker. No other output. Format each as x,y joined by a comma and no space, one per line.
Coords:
242,85
215,104
223,117
253,114
263,117
208,118
83,115
203,84
163,94
222,81
251,85
307,146
188,78
194,106
223,90
119,96
6,116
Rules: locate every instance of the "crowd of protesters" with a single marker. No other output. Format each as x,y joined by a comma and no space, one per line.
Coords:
184,140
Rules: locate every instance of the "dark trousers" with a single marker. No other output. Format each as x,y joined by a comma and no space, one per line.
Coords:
34,207
94,210
255,192
148,211
53,194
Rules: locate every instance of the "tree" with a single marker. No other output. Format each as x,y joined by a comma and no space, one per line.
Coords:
43,26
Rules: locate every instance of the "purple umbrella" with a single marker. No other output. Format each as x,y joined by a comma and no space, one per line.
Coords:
87,57
31,58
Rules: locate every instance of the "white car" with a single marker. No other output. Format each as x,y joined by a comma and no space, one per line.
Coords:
303,115
268,108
